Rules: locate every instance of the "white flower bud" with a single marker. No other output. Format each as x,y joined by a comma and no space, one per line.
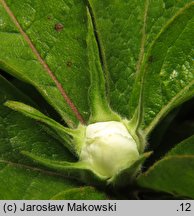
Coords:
108,148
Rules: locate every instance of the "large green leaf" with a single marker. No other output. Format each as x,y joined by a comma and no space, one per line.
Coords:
23,182
174,173
166,78
150,42
19,177
45,45
186,147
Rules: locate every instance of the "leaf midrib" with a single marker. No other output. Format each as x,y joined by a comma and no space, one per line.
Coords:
43,63
143,39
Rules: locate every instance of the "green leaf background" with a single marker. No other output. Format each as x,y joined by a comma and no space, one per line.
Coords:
143,48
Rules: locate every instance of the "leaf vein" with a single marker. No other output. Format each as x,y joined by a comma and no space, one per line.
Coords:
43,63
143,40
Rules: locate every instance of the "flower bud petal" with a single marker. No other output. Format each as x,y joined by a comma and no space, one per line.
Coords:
108,148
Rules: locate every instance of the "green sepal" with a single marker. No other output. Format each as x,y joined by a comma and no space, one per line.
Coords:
76,170
136,132
134,125
66,134
127,175
100,109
